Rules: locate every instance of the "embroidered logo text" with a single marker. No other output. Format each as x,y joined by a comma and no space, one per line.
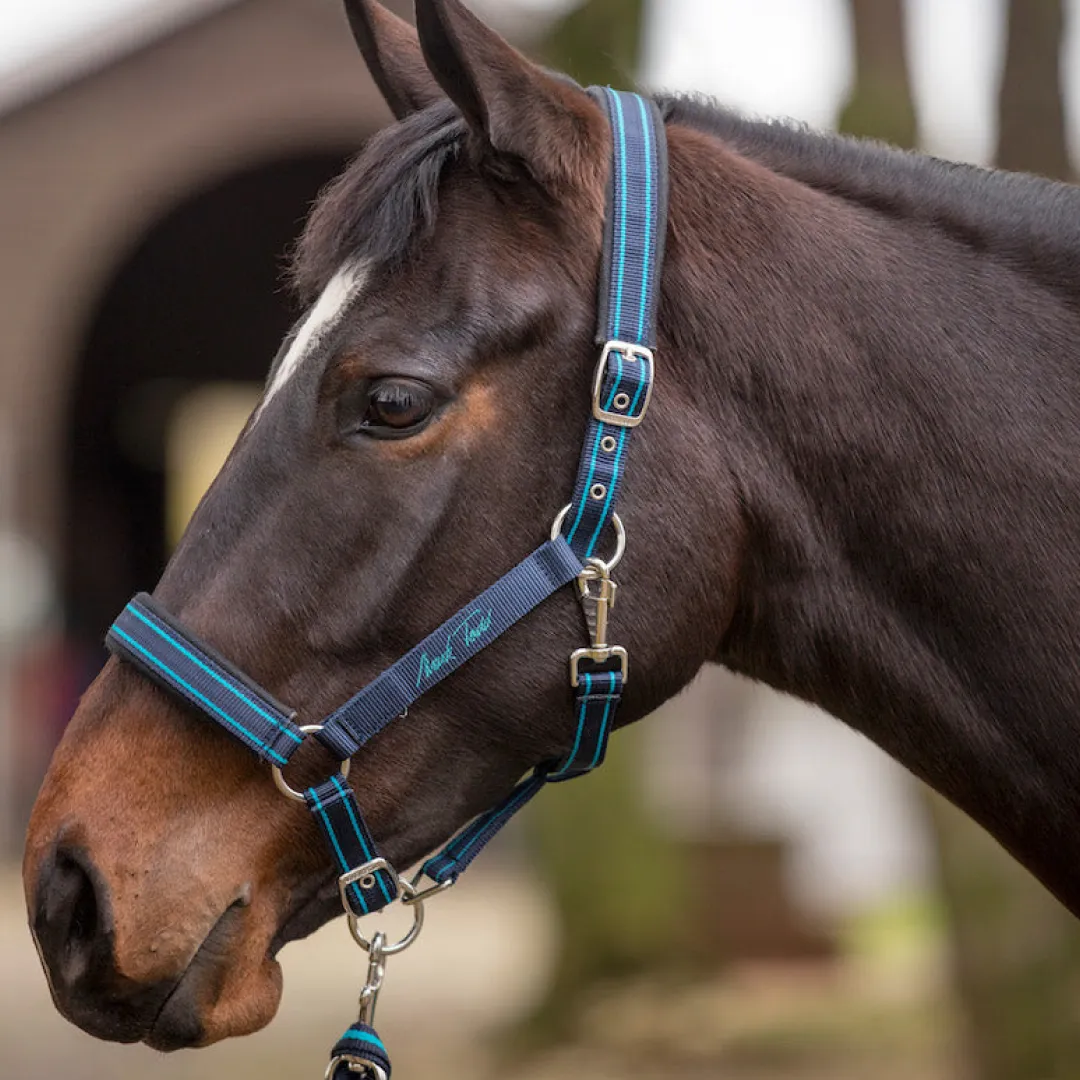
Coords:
466,633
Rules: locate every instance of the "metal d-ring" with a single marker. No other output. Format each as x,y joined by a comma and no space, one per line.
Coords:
620,538
279,779
408,897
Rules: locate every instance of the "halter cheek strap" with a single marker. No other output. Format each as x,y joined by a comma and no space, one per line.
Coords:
634,231
146,636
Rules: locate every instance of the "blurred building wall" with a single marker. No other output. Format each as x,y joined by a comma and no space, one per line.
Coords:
86,170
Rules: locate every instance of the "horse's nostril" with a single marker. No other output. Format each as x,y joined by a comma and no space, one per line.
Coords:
67,923
84,914
73,925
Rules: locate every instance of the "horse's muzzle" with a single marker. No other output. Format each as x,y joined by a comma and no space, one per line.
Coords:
71,920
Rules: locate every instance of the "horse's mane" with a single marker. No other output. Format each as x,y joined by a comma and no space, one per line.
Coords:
388,197
1029,221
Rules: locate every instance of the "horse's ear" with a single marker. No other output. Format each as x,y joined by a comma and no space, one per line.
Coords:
518,108
392,51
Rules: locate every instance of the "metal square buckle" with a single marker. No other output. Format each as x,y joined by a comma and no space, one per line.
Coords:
632,354
365,875
600,655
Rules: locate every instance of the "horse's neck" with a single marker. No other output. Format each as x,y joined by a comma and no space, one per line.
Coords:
904,419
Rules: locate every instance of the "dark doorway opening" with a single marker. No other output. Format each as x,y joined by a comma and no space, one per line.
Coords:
200,299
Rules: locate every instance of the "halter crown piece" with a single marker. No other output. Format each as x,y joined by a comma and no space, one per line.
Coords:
146,636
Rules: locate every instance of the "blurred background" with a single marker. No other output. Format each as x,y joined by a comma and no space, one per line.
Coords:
831,919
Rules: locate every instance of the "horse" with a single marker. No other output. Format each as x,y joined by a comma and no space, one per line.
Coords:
859,483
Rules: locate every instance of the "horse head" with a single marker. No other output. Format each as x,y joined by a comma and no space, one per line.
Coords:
418,433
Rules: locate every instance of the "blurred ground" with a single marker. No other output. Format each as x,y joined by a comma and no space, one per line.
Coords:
482,961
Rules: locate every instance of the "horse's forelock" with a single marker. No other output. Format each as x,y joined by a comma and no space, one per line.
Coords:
383,202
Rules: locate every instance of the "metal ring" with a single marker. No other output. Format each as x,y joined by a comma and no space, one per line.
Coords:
620,536
622,401
608,444
597,492
409,897
279,779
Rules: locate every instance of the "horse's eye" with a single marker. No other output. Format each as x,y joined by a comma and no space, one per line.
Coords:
397,407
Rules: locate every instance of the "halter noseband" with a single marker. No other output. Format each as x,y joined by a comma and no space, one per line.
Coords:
146,635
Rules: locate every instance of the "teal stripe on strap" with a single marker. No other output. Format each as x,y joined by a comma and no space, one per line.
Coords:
347,803
229,686
203,700
647,129
621,273
342,861
582,714
365,1036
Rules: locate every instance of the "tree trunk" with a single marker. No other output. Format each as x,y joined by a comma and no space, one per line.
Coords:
1031,113
880,105
1016,955
1016,949
611,873
598,43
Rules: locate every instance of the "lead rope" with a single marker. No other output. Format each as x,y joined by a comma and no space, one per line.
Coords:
148,637
360,1050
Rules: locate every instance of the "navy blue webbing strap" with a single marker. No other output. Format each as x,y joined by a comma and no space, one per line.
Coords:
149,638
635,228
146,636
636,225
597,697
443,651
456,856
337,813
359,1044
625,376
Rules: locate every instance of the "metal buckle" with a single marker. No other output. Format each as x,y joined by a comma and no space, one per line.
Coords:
631,353
365,875
599,656
279,777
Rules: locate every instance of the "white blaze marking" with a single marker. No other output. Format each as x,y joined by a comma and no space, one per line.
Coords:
327,313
